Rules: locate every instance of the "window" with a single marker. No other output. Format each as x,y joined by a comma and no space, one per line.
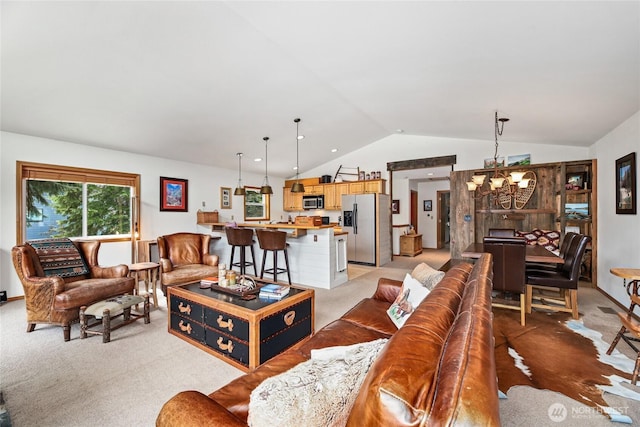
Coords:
59,201
256,205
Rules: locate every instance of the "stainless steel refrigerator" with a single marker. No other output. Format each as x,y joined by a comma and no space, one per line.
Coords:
360,215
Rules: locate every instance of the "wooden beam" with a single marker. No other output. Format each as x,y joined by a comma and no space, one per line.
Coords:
428,162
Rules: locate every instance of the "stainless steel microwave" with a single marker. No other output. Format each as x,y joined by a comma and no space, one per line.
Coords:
313,202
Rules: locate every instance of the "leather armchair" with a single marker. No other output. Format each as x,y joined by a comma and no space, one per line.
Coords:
185,258
56,300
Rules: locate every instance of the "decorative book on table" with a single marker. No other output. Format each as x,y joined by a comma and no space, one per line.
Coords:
273,291
211,280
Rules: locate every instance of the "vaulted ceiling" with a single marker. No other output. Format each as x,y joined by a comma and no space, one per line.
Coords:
201,81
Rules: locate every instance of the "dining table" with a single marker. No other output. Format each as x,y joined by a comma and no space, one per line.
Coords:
534,253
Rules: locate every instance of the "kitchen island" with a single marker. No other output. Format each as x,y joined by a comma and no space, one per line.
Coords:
317,254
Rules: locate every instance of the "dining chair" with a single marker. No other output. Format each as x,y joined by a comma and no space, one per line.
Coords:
502,232
563,281
508,271
630,333
564,247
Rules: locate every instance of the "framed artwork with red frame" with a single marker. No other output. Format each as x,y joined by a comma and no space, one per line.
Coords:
174,194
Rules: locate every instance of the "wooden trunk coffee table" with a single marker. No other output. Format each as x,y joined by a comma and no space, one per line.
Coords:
243,333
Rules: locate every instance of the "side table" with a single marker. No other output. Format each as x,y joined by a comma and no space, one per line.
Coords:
411,244
151,272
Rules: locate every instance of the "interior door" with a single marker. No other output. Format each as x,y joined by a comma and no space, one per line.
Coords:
414,209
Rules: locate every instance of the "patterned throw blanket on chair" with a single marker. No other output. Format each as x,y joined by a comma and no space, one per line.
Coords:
59,257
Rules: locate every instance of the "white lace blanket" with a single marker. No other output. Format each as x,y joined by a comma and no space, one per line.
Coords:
317,392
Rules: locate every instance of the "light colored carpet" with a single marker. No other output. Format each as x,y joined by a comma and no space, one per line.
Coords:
47,382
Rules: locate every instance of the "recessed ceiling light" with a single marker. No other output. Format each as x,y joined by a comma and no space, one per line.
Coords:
334,150
257,159
400,130
430,174
295,168
300,136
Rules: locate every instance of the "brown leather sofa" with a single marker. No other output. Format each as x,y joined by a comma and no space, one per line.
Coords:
438,369
184,258
56,300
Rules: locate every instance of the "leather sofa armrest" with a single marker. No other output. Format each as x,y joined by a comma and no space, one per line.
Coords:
192,408
165,265
120,270
210,259
388,289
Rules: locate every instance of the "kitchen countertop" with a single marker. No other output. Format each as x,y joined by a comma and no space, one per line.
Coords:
274,225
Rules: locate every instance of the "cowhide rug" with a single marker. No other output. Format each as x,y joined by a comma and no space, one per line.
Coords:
555,352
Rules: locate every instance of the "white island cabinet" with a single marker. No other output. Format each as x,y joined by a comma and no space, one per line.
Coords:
317,256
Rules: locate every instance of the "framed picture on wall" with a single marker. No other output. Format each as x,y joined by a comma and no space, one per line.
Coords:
174,194
395,206
225,197
427,205
626,184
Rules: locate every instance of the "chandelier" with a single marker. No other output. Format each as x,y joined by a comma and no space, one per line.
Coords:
506,189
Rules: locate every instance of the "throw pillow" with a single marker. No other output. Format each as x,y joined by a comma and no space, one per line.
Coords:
550,239
427,275
317,392
411,294
529,236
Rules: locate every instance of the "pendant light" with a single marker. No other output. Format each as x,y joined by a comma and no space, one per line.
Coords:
266,188
297,187
239,191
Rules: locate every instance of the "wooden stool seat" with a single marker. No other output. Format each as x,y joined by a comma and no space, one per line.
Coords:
274,241
241,238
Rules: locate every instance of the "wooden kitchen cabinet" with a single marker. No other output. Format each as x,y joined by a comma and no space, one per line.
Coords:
291,201
332,193
314,190
341,189
370,186
330,196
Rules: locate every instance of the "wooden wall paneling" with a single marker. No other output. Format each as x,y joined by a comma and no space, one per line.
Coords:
545,210
462,204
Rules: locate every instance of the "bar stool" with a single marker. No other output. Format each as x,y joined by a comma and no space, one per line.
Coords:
272,240
241,238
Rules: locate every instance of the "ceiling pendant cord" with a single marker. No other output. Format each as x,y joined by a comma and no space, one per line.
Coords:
297,187
239,191
266,188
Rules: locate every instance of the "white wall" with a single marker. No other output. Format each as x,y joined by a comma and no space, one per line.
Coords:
428,221
618,235
204,186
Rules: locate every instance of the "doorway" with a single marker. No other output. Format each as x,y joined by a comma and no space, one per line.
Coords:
444,218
